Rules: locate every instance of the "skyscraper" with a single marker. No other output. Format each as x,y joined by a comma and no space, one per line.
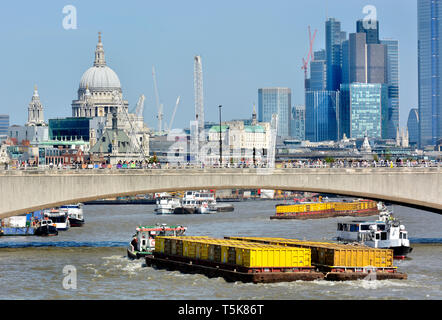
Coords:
318,75
333,41
370,28
321,115
298,122
357,58
367,109
4,124
393,85
413,126
429,16
276,101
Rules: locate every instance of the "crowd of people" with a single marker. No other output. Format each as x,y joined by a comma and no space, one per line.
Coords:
144,164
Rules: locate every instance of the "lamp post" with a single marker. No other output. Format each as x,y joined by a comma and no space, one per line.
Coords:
220,140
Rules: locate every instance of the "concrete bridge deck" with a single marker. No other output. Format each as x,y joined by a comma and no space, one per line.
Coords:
25,191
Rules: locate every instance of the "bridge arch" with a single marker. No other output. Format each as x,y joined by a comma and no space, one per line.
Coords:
22,191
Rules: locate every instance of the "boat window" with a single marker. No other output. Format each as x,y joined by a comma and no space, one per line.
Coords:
340,226
383,236
353,227
381,227
377,236
403,235
365,227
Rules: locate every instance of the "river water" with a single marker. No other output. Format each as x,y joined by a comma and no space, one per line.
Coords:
32,267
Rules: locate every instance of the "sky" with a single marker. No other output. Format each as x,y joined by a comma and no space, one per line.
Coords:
244,45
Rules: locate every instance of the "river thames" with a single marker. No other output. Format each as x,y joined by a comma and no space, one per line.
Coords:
32,267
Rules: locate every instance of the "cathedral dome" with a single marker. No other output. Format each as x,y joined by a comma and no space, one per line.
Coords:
100,77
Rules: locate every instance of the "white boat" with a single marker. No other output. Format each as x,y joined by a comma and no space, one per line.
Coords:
166,204
59,218
386,233
203,202
75,214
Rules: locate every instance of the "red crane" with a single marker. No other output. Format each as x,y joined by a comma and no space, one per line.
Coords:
309,56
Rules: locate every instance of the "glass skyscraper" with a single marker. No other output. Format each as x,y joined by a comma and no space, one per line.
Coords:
298,122
371,29
429,17
333,49
413,126
276,101
4,124
393,85
365,109
321,115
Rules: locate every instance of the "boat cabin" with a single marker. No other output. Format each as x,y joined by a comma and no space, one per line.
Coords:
377,232
144,239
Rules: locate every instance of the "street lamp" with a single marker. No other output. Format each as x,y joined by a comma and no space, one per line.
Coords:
220,140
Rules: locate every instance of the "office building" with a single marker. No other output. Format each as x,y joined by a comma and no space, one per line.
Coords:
370,28
413,126
429,21
364,109
321,115
333,41
4,124
298,122
275,101
393,85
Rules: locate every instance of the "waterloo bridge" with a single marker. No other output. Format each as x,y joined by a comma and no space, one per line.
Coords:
31,190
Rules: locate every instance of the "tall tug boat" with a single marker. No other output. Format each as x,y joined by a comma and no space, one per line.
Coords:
143,241
385,233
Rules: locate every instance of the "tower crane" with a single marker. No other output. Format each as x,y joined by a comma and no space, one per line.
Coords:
174,112
140,106
157,98
306,61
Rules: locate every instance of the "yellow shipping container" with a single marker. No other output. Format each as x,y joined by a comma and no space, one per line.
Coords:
272,257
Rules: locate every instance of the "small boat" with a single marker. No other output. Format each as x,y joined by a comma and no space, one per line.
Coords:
59,218
166,204
75,214
187,207
45,227
143,241
385,233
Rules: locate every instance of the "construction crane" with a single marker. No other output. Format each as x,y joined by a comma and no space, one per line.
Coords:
157,98
134,146
174,112
306,61
140,106
198,87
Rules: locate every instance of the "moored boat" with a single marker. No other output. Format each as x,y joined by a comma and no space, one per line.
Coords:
143,241
75,214
166,204
45,227
59,218
386,233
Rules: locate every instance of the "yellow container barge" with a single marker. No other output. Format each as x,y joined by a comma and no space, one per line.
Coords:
316,210
261,259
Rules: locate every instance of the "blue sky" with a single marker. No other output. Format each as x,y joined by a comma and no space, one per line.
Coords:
244,45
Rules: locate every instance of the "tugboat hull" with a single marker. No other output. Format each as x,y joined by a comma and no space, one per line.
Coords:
46,231
76,222
401,252
184,210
